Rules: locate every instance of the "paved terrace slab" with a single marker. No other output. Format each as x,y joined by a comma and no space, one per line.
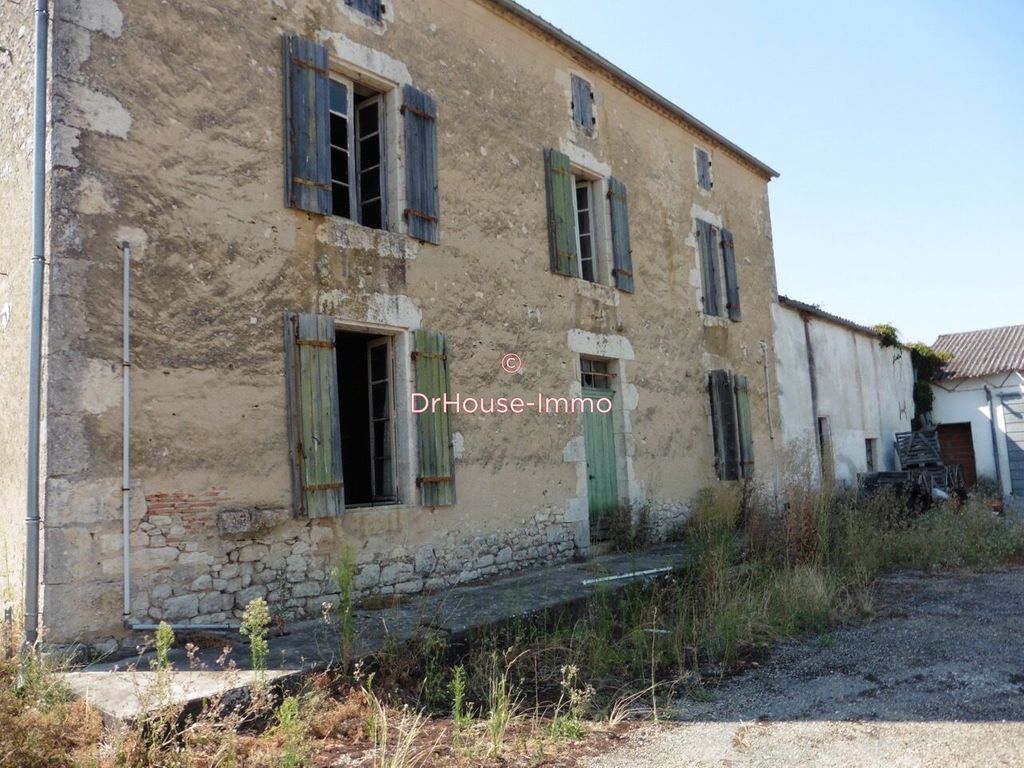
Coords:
122,690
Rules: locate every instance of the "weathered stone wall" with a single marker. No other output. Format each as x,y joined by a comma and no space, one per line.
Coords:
171,136
17,77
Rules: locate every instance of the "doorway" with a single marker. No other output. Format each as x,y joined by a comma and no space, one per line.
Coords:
599,438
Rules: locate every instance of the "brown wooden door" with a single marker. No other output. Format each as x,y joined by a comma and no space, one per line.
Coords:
958,448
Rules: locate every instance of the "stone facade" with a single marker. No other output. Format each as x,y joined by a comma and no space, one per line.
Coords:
167,134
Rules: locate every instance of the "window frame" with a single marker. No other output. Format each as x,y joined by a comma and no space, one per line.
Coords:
354,136
697,152
384,341
587,186
599,371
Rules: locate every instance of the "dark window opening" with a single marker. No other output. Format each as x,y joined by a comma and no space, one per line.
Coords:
869,453
366,405
585,230
595,373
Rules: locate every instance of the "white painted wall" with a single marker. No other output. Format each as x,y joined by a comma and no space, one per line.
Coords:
964,400
865,390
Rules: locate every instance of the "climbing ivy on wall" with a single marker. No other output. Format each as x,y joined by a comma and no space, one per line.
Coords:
927,363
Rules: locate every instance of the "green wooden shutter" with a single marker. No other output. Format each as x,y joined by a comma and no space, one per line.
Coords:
746,435
307,126
622,251
723,420
311,369
732,287
423,204
561,191
708,266
436,480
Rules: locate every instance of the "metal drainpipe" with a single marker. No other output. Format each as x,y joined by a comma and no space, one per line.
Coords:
35,344
126,402
995,438
771,424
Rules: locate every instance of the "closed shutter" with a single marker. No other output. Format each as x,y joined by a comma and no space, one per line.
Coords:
436,480
423,205
723,420
311,369
708,266
732,287
371,8
561,191
746,435
703,169
307,128
583,104
622,251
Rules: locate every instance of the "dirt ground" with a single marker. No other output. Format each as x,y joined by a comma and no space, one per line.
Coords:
936,679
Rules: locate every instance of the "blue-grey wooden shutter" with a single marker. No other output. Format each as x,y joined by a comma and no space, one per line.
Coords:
423,204
708,266
307,125
311,370
744,426
371,8
622,251
583,104
703,169
561,192
436,479
723,420
732,286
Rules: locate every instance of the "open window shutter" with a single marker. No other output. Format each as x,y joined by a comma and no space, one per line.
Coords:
732,287
723,417
307,127
703,169
622,251
423,204
311,369
371,8
708,266
561,189
746,434
436,480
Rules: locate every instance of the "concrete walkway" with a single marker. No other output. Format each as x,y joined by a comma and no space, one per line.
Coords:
121,690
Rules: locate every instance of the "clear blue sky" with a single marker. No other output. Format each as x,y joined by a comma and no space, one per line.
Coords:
897,127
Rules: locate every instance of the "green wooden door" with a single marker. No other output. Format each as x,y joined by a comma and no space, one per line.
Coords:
602,481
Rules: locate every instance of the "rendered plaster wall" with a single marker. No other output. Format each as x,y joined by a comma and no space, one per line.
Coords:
865,391
170,129
17,80
965,400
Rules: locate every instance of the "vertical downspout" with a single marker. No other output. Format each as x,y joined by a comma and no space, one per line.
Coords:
126,392
35,344
771,422
995,439
813,375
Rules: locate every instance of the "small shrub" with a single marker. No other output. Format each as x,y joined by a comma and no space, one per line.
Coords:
255,621
291,729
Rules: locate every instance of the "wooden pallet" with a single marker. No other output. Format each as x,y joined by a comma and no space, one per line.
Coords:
919,449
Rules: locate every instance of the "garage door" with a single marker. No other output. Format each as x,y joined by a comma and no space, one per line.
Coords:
1013,411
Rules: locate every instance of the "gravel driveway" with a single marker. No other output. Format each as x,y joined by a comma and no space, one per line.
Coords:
937,679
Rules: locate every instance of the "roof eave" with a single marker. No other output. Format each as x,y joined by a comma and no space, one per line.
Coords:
615,72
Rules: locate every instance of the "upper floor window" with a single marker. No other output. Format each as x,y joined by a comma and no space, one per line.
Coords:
719,284
337,148
583,105
372,8
357,154
702,161
576,213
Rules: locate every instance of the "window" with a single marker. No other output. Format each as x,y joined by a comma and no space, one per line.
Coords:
731,426
719,283
870,448
372,8
703,164
585,245
594,374
575,209
337,149
357,154
343,419
583,105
